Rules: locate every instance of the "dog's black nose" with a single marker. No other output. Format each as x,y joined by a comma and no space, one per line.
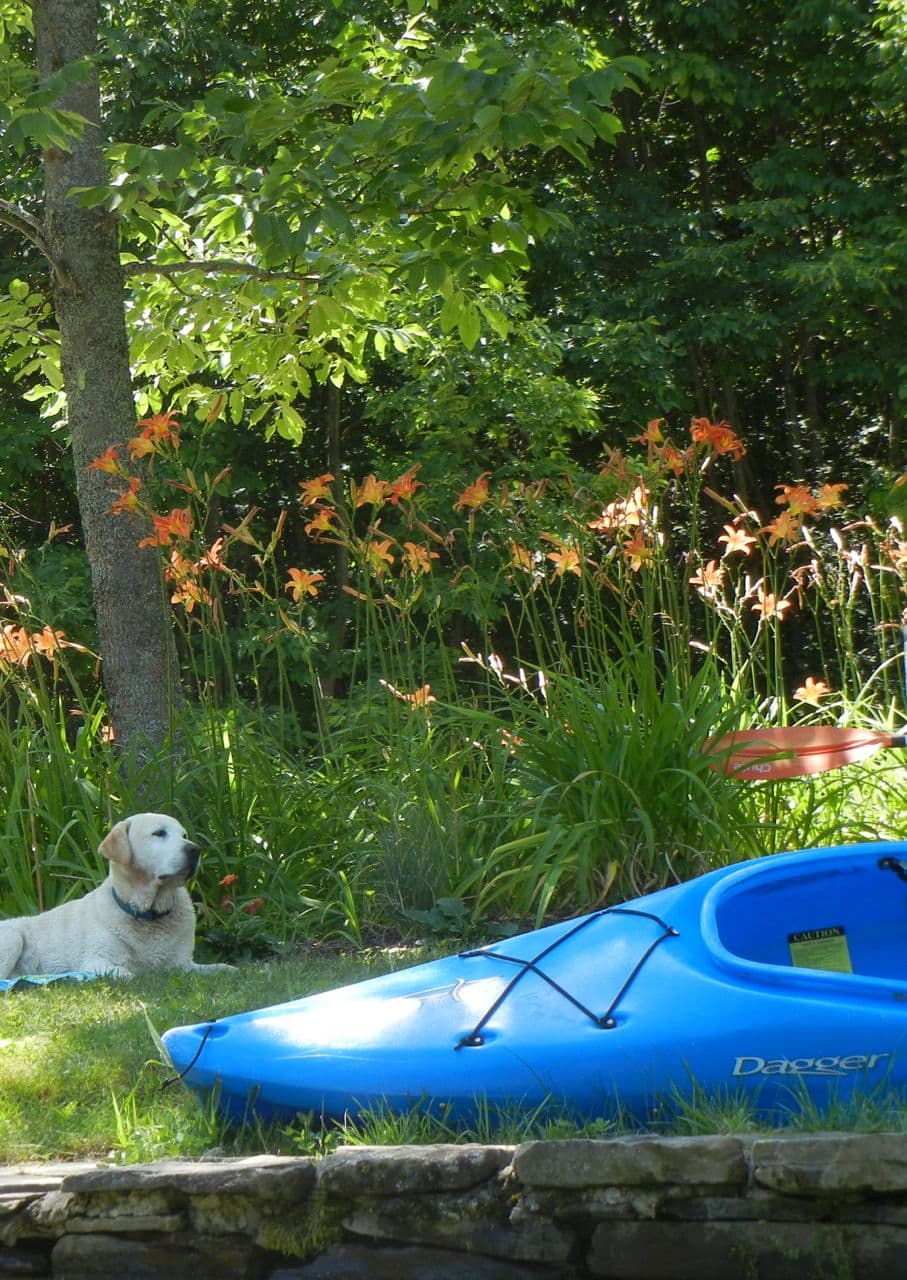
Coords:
193,854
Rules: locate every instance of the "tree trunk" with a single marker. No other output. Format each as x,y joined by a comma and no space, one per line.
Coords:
139,668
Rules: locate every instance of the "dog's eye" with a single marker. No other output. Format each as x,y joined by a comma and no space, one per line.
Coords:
160,832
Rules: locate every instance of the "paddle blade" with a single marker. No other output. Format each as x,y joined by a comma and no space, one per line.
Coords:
793,752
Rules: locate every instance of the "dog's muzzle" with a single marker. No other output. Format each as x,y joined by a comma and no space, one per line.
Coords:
192,854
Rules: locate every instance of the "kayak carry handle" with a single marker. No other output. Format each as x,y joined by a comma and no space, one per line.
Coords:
894,864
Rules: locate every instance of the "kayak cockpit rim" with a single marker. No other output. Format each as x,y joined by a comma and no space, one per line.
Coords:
844,888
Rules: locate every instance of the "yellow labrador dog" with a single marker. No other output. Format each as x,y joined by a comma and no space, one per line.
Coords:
140,919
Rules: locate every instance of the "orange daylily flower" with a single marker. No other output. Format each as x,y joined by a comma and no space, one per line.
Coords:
421,698
212,557
312,490
797,498
623,513
379,555
179,567
128,502
709,578
475,494
140,447
189,593
652,434
672,459
15,646
638,552
160,427
177,525
812,691
418,558
322,522
301,582
107,462
737,540
404,488
768,605
47,641
371,492
784,528
830,496
717,436
565,560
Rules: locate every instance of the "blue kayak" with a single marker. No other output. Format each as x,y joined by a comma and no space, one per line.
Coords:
781,979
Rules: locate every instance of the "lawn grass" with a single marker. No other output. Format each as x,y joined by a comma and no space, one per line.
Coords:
81,1076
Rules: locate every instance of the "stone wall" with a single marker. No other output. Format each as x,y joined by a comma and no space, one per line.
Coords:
634,1208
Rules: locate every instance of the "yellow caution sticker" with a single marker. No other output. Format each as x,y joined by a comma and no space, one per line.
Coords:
821,949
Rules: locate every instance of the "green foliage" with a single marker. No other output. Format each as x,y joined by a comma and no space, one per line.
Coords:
523,686
278,230
612,795
491,402
738,249
27,114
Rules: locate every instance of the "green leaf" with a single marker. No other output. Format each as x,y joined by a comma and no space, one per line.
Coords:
289,423
469,325
450,312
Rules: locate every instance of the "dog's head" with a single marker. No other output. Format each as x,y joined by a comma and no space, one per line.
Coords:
153,849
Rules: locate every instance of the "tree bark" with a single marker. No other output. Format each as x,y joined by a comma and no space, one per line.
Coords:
136,640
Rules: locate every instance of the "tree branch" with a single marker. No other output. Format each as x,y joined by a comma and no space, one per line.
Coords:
13,215
213,266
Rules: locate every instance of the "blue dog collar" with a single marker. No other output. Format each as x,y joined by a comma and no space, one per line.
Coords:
133,911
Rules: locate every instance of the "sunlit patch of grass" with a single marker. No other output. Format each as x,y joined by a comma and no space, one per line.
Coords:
880,1110
80,1075
693,1111
426,1124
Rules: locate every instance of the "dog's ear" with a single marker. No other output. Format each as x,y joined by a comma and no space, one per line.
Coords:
115,845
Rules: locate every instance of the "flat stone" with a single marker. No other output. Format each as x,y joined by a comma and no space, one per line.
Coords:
18,1179
743,1250
391,1171
709,1162
51,1210
358,1262
11,1204
267,1177
542,1242
832,1164
101,1257
128,1224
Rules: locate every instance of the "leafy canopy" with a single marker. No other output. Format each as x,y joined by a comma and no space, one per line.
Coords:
288,226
